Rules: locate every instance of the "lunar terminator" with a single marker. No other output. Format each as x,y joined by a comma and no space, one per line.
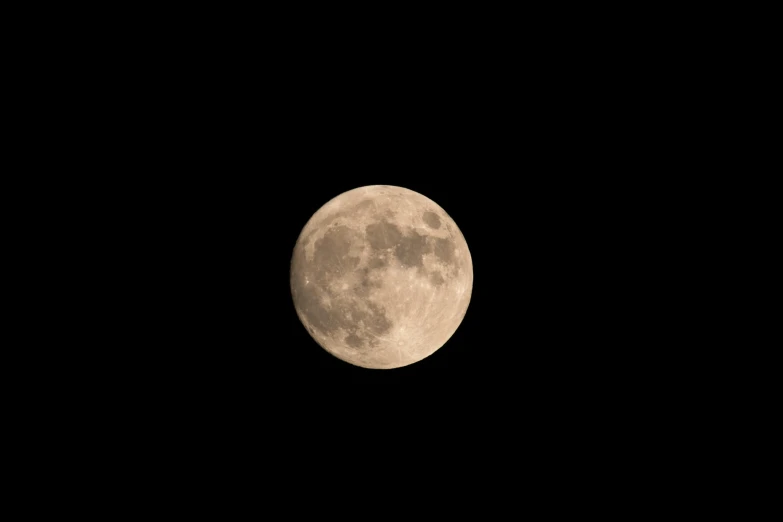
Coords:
381,277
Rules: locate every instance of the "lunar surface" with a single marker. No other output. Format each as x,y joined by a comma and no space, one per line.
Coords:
381,277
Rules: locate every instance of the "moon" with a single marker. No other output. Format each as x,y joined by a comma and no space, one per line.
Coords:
381,277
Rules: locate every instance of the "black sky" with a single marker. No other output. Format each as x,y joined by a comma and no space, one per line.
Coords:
545,173
548,322
198,146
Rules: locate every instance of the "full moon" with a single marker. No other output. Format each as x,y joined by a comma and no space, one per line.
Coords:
381,277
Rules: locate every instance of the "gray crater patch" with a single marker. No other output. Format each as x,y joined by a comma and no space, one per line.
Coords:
437,279
325,311
344,313
363,205
431,219
331,256
377,322
377,261
354,341
366,284
382,235
411,249
444,249
312,308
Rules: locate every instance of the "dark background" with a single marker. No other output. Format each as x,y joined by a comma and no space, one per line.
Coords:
556,363
174,158
545,152
541,192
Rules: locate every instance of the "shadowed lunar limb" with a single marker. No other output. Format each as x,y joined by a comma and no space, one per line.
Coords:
381,277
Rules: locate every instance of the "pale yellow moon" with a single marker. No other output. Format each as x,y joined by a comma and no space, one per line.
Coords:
381,277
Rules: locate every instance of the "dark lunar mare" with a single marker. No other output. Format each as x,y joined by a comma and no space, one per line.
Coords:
411,249
431,219
382,235
444,249
331,259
